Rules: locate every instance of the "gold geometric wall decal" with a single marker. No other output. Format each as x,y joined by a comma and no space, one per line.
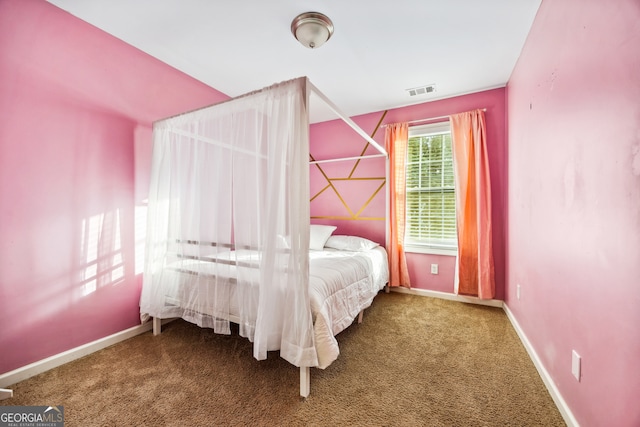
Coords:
364,150
321,191
326,205
368,189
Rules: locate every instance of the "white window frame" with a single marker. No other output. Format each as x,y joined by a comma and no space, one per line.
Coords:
426,248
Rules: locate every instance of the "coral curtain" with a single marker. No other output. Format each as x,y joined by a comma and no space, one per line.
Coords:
473,205
396,140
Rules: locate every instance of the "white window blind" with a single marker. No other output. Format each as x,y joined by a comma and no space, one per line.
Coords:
431,206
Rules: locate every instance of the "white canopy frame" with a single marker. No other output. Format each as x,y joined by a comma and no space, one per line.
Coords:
202,168
333,107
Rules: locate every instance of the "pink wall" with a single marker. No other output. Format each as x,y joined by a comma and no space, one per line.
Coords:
75,108
574,202
335,139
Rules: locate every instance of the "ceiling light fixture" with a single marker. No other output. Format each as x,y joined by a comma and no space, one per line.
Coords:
312,29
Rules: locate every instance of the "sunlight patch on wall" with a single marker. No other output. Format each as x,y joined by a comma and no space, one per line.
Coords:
101,252
140,237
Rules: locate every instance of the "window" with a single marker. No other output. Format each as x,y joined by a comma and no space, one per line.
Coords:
431,205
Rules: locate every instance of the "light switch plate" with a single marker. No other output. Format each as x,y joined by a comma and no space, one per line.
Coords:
575,364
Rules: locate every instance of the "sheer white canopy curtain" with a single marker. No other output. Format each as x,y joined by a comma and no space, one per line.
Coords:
230,182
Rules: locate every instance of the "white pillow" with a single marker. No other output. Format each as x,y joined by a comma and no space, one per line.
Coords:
350,243
318,235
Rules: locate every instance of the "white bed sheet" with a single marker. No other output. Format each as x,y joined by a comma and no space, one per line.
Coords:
341,284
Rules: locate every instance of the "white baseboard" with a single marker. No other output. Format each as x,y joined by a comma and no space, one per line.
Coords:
40,366
544,374
448,296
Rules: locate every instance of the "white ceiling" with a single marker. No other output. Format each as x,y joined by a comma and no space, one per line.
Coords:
378,50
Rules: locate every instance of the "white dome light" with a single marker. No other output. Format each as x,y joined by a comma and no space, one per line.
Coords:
312,29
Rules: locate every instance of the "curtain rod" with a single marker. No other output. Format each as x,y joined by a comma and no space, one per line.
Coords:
413,122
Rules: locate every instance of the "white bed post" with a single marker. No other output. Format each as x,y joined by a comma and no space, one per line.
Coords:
6,393
387,223
305,371
305,381
157,325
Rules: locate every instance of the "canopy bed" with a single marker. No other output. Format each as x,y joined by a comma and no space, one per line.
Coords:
228,234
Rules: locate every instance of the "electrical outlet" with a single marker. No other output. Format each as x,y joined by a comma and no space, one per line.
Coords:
518,291
576,361
434,268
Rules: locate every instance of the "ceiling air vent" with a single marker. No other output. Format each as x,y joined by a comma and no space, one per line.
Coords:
422,90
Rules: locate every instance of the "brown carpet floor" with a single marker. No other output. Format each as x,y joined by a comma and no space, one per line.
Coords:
414,361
